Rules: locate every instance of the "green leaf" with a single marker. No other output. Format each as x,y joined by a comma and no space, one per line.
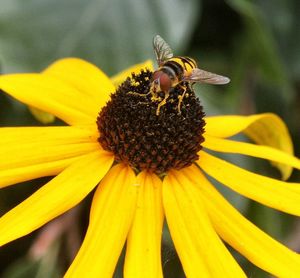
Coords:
113,34
282,18
261,42
44,267
22,268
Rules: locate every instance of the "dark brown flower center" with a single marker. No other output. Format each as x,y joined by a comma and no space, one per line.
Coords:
130,127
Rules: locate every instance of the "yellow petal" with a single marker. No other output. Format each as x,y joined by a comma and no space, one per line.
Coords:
264,129
25,173
59,134
143,251
277,194
51,95
41,116
85,77
122,76
111,216
230,146
199,248
32,152
59,195
241,234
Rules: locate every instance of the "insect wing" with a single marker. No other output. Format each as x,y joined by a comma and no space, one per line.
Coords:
162,50
202,76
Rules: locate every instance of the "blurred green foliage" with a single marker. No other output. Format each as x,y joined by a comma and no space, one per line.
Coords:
256,43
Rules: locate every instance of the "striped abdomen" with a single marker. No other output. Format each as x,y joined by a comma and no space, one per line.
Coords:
179,67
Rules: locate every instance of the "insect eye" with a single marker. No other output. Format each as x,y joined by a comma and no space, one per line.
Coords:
165,82
156,82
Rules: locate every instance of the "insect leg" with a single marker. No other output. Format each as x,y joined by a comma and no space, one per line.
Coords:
138,94
162,103
180,98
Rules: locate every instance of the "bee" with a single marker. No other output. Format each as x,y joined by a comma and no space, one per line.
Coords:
177,70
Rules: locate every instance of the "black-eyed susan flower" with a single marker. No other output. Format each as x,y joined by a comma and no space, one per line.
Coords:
146,168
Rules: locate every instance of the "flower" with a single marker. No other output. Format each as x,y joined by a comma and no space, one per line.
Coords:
132,198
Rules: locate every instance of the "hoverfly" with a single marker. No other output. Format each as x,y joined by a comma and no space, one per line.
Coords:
175,70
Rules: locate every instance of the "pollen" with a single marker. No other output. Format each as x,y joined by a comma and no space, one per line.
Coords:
130,128
135,83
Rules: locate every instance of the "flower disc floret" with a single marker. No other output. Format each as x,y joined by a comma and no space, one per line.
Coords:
130,128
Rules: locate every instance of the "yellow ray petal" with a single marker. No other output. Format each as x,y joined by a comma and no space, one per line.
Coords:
230,146
121,77
41,116
32,152
59,134
264,129
51,95
200,250
241,234
143,251
85,77
111,215
57,196
25,173
277,194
